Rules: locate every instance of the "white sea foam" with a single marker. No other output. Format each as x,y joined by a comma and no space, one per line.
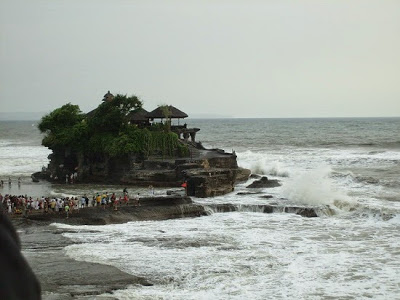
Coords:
243,255
316,187
262,164
22,160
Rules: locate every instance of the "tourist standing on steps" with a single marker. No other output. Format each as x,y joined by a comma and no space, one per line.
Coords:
151,190
9,208
103,201
115,203
126,199
98,200
67,209
137,203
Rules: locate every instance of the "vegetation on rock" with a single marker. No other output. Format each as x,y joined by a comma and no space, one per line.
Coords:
106,131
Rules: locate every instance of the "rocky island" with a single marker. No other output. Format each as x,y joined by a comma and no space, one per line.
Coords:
119,142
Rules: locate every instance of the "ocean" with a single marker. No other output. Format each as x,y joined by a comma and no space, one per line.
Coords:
347,168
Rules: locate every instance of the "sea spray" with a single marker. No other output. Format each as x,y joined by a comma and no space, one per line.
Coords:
316,187
262,164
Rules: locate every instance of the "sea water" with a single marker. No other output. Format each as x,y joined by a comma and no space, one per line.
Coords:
348,169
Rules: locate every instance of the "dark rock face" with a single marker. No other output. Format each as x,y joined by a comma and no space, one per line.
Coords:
266,197
248,193
264,182
207,173
210,182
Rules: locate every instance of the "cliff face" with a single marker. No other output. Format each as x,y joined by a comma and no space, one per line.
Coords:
207,173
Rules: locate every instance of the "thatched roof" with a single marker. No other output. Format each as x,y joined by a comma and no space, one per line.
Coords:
91,113
108,97
138,115
174,113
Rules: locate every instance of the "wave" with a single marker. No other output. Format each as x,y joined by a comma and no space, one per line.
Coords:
351,177
264,208
316,187
261,164
22,160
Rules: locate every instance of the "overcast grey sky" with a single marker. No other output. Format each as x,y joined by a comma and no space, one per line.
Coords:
233,58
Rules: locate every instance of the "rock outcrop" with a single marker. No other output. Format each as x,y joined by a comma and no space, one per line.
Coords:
206,173
151,208
264,182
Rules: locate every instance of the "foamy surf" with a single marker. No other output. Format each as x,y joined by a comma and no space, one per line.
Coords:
316,187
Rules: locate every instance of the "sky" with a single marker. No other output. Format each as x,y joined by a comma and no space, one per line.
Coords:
220,58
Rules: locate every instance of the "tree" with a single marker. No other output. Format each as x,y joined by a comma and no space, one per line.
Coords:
167,114
66,116
106,131
112,116
63,127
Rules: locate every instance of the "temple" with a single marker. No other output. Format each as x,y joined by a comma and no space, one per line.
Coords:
204,172
165,114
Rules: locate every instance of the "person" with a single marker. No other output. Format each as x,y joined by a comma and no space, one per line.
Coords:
126,199
184,185
9,208
115,203
151,188
103,201
24,209
67,209
53,205
137,203
17,280
19,180
9,180
83,201
98,200
46,206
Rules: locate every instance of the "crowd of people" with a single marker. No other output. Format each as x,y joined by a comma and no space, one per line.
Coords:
22,204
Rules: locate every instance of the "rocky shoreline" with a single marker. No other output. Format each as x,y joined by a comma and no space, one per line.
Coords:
151,208
62,277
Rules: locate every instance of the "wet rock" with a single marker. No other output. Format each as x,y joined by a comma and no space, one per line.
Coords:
214,171
151,208
248,193
255,176
264,182
62,277
266,196
242,174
